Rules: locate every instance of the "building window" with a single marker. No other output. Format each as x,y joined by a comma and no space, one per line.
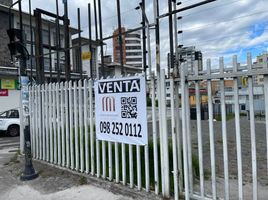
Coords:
134,59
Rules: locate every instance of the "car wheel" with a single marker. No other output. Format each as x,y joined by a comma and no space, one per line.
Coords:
13,130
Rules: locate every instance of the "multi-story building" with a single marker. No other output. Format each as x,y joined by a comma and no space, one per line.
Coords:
192,57
9,72
131,44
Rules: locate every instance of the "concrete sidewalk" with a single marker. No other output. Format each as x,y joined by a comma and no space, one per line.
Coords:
55,183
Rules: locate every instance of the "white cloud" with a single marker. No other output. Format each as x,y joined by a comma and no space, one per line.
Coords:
210,27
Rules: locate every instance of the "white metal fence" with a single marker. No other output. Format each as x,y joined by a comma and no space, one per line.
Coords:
182,157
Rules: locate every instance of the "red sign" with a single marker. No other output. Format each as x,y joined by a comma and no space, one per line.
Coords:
3,93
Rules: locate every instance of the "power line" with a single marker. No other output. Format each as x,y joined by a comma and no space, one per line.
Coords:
219,38
203,10
231,19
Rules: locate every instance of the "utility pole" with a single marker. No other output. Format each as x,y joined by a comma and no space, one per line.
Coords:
90,39
17,49
80,44
120,37
101,42
96,37
67,41
58,45
144,51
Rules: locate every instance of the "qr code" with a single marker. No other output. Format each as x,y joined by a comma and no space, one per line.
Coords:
129,107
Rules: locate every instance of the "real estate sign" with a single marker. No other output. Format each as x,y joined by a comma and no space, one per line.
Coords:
120,110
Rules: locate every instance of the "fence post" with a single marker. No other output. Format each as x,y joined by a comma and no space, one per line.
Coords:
164,136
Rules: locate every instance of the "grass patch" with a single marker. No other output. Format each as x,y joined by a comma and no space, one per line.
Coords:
82,180
228,117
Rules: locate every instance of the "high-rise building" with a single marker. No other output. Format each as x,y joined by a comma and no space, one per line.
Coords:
191,56
131,44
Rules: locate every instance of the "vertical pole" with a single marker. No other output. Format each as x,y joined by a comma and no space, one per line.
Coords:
101,45
184,135
79,43
50,60
176,95
170,24
120,37
96,37
90,38
224,132
31,36
67,41
143,37
38,47
211,134
252,130
58,41
29,172
238,133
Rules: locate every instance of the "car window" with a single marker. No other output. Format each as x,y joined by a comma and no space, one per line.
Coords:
13,114
3,114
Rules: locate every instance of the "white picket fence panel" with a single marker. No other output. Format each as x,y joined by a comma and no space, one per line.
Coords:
63,133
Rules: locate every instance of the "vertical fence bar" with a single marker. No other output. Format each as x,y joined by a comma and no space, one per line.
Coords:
39,114
86,124
164,135
131,176
63,131
47,121
81,132
110,162
50,104
76,128
211,133
174,142
116,162
103,159
54,123
179,136
199,135
155,137
67,123
98,157
92,138
43,122
238,134
184,134
147,170
266,107
31,113
58,123
34,120
189,136
138,155
124,178
39,124
252,130
224,133
71,115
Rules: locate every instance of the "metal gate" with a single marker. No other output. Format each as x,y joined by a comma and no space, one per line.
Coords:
200,159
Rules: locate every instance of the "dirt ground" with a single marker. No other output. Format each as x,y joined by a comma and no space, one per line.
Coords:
261,151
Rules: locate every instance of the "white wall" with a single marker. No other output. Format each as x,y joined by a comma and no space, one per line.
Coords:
11,101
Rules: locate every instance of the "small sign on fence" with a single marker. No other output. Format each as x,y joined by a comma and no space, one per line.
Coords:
120,106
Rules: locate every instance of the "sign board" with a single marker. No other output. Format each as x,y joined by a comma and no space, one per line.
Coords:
9,84
120,107
3,92
86,55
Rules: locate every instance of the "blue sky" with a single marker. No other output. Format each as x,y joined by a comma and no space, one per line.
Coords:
221,28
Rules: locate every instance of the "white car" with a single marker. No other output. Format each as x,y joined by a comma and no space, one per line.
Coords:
10,122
